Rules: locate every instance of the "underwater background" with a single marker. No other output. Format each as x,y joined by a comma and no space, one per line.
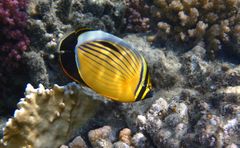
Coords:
192,48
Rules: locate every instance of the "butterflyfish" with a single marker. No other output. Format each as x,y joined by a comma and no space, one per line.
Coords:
106,64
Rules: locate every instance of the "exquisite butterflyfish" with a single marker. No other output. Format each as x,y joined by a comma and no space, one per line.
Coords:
106,64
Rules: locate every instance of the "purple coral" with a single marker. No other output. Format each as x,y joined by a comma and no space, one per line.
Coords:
13,40
136,16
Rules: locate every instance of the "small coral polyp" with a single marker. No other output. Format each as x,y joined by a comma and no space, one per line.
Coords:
13,39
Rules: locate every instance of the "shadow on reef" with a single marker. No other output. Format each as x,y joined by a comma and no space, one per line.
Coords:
232,57
12,86
33,69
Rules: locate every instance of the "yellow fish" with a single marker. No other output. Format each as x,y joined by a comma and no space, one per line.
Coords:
106,64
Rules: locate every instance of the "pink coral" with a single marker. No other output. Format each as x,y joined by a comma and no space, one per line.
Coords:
13,39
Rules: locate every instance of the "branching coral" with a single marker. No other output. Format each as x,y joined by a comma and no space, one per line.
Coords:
48,117
137,17
13,40
214,21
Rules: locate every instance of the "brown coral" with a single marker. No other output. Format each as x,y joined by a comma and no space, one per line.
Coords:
189,21
100,137
125,136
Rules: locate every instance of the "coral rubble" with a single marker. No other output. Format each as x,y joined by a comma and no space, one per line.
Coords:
48,117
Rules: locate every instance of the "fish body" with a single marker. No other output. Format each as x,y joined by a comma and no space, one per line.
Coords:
106,64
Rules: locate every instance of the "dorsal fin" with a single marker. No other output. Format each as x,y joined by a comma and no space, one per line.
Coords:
67,55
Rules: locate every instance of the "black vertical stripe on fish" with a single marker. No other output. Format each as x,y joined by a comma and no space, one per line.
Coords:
85,50
113,54
133,51
67,57
129,55
110,70
95,69
140,80
104,80
139,97
123,69
126,51
111,45
97,46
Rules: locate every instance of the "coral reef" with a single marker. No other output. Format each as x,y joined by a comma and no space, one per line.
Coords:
13,44
173,124
13,38
47,23
215,22
200,109
137,16
188,22
166,122
164,67
48,117
195,103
